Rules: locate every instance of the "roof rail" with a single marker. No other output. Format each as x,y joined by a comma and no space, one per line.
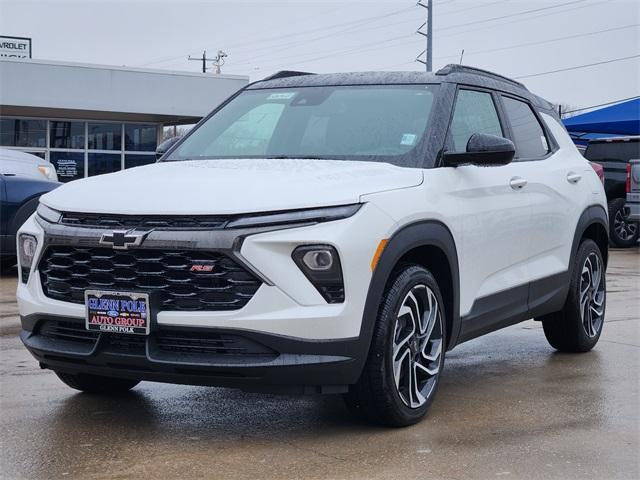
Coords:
285,74
455,68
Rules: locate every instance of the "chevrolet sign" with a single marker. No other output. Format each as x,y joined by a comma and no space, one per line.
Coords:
15,47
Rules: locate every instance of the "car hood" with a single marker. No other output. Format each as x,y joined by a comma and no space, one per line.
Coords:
230,186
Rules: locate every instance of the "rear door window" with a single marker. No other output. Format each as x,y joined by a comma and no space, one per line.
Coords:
528,135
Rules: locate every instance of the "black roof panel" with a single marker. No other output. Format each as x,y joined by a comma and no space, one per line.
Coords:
460,74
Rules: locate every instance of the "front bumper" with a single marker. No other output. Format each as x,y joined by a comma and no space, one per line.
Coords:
315,346
216,357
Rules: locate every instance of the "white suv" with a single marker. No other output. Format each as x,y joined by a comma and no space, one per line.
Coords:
323,233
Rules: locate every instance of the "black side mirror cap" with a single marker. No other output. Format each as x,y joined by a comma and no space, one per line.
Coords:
483,150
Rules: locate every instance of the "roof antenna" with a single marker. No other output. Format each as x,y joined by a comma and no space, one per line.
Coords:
461,55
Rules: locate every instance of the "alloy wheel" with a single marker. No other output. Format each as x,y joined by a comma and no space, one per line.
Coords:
592,295
624,229
417,346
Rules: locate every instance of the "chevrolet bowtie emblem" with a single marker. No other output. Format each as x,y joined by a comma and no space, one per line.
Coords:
123,239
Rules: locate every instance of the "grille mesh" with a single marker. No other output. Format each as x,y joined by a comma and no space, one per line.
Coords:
66,272
157,222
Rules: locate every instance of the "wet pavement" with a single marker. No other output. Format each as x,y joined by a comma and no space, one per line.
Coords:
508,407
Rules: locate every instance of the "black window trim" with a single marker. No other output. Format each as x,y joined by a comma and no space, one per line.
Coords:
551,141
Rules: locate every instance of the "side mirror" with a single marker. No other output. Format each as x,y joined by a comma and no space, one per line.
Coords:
165,146
483,150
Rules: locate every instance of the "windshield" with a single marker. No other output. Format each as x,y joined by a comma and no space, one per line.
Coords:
374,123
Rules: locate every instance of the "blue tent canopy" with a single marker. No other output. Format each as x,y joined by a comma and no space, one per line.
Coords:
620,119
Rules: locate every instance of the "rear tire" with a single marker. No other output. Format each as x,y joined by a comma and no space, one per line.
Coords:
402,372
95,383
577,327
622,232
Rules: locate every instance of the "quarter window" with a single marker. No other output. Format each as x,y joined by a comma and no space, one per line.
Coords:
528,134
475,112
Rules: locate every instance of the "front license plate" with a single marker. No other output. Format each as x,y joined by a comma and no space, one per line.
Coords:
117,312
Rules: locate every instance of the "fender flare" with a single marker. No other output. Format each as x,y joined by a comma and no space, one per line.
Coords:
428,233
22,214
592,215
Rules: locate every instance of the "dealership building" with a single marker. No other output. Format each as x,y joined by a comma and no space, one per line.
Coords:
91,119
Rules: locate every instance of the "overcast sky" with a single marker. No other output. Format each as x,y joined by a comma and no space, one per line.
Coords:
518,38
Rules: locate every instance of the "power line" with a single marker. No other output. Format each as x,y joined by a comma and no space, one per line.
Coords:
577,67
359,23
601,104
528,44
483,5
252,44
339,32
355,49
333,34
365,47
351,24
502,17
542,42
453,34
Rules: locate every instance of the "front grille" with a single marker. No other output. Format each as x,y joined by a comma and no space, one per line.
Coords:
66,272
156,222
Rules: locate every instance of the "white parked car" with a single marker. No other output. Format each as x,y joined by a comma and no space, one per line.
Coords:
14,162
323,234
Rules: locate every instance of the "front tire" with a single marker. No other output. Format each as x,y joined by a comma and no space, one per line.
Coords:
401,376
96,384
577,327
623,233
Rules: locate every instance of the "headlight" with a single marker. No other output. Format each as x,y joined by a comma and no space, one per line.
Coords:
48,214
47,171
311,215
27,245
321,265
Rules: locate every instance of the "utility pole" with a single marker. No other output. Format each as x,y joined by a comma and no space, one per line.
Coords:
203,59
218,61
429,35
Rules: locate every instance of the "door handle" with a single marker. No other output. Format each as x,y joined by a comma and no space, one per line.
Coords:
573,177
517,183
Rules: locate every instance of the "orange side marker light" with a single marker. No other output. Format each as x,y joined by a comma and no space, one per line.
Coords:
378,254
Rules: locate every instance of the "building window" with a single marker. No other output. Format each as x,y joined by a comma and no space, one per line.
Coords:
140,138
69,165
15,132
138,160
66,135
99,163
104,136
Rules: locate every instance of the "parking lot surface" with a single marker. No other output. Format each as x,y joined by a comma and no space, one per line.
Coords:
508,407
